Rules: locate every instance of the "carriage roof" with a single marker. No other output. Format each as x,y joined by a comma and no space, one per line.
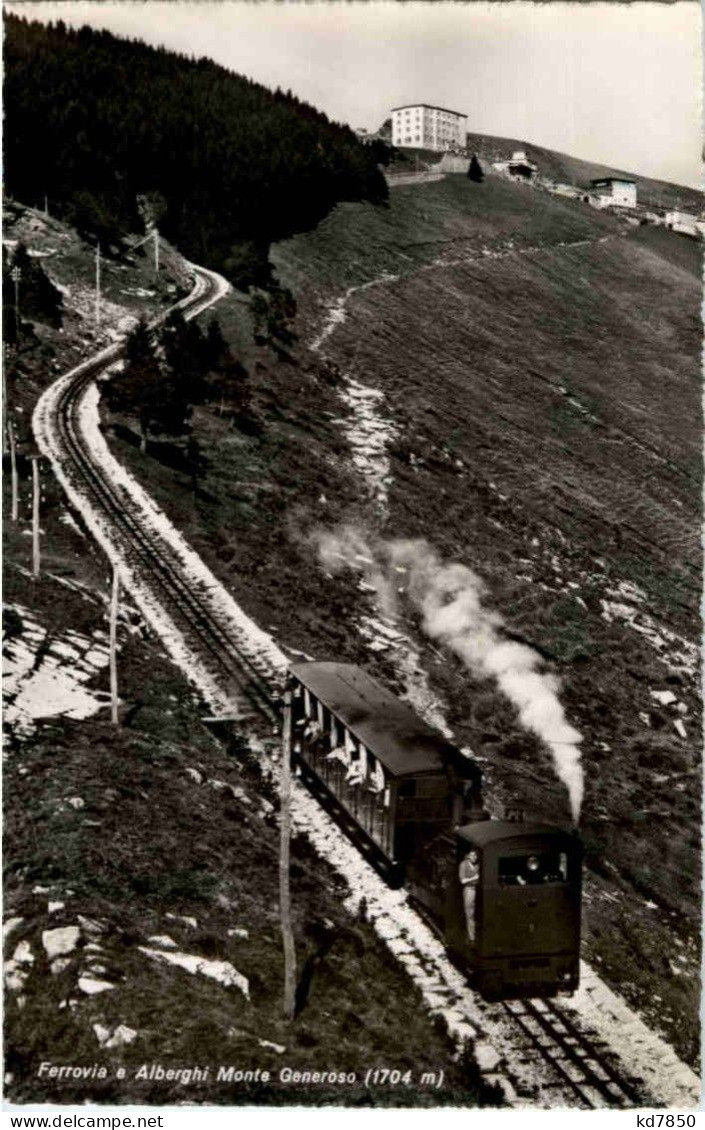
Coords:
390,729
489,832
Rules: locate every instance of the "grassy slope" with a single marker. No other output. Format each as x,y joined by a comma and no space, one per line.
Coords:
607,501
149,841
612,498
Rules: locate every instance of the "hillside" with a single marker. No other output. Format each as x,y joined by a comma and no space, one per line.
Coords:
160,842
220,163
516,380
140,863
565,169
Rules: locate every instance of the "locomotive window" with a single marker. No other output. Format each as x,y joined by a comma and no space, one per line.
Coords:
536,867
407,788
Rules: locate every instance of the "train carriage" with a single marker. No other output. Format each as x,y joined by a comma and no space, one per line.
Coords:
386,771
504,895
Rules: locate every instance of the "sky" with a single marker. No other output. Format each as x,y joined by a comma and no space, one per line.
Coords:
618,84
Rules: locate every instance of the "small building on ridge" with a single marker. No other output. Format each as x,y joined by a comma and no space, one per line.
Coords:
614,192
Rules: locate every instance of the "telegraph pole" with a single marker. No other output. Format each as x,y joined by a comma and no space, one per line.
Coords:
13,471
284,857
16,275
35,516
113,648
156,250
97,284
5,423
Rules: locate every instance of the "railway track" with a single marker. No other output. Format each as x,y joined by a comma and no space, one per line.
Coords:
579,1068
580,1065
145,551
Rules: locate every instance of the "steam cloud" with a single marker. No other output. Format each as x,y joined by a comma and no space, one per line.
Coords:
449,598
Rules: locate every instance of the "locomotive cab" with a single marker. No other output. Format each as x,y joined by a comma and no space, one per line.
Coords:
512,911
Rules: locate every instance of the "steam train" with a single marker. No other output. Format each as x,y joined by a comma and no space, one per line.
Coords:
504,895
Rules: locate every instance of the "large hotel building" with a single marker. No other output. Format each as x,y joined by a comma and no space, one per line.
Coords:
428,127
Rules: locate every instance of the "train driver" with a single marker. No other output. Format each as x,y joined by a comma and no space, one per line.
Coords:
533,871
469,875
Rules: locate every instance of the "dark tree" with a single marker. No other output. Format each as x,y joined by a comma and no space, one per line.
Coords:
186,357
138,390
196,462
216,345
475,172
273,312
39,299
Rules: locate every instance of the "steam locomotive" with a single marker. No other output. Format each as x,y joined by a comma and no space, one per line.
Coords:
504,895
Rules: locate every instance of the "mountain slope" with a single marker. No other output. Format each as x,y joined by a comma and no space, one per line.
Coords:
537,365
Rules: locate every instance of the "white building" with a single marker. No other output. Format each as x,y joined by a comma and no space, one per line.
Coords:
614,191
518,166
428,127
683,222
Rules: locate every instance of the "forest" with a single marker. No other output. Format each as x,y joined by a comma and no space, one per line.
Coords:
111,130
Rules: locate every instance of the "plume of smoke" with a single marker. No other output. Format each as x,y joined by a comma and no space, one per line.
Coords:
450,600
346,547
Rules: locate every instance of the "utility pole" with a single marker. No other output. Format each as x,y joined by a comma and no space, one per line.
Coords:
284,857
14,511
156,251
46,205
5,424
113,648
97,284
16,275
35,516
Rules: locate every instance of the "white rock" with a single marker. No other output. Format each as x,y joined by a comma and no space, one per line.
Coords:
59,964
91,926
121,1036
279,1048
101,1033
76,802
463,1032
92,985
183,918
10,926
680,728
221,971
14,978
23,954
162,940
238,932
487,1057
62,940
54,906
664,697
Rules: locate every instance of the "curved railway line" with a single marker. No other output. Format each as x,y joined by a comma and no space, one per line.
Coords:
580,1067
